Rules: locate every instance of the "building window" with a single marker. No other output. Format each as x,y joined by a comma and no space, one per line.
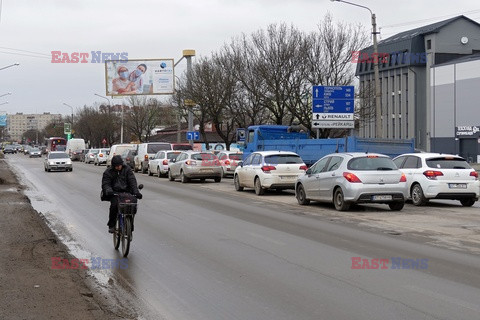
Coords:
429,44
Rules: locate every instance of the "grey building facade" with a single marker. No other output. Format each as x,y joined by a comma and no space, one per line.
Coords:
406,79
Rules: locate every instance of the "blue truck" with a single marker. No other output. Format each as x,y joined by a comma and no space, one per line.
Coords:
290,138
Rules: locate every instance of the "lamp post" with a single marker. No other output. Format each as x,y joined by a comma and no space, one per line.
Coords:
72,113
378,107
12,65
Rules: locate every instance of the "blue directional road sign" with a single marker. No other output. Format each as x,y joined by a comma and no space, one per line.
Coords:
193,135
333,92
333,106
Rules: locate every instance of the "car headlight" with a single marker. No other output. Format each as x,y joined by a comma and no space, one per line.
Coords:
69,161
51,162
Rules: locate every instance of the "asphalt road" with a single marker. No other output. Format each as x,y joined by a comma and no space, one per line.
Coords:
202,254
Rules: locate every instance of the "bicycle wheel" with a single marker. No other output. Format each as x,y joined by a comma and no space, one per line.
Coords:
126,236
117,234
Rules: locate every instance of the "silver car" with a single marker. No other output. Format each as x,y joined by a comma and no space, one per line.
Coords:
229,161
195,165
101,157
58,160
159,164
35,152
348,178
90,155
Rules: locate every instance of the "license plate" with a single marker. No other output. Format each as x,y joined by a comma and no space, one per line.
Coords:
457,185
206,170
287,177
382,197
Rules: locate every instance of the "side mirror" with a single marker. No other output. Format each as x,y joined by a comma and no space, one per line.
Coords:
240,163
173,160
140,186
309,171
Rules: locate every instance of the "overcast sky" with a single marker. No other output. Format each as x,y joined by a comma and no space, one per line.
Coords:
158,29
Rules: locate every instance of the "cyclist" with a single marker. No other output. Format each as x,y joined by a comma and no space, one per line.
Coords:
117,179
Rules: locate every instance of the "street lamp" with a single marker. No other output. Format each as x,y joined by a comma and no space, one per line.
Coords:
110,104
72,111
378,107
12,65
6,94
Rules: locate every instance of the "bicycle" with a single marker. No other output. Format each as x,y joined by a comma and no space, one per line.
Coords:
124,224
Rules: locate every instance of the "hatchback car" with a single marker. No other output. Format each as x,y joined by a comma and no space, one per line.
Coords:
78,155
269,170
159,164
58,160
438,176
35,152
229,161
101,157
90,155
195,165
348,178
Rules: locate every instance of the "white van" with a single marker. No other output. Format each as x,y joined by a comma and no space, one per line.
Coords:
74,145
146,151
119,149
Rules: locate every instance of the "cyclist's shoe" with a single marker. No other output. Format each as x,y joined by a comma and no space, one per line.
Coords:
111,229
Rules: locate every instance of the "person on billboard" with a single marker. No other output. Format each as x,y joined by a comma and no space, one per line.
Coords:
122,85
136,77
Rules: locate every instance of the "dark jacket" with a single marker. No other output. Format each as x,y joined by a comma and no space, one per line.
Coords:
119,181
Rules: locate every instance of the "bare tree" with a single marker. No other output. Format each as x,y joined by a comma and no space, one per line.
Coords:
143,117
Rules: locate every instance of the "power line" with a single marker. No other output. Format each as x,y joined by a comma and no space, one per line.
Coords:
39,53
22,54
429,19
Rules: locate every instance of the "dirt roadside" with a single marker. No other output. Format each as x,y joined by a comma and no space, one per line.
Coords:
29,287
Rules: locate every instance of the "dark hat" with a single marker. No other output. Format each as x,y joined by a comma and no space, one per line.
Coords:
117,160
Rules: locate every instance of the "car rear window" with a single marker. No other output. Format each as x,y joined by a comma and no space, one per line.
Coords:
204,156
181,147
58,155
371,163
235,156
447,163
283,159
154,148
172,155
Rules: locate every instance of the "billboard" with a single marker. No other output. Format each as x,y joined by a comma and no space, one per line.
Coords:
3,120
139,77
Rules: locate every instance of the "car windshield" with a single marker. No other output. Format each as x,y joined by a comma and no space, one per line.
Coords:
94,151
172,155
283,159
235,156
57,155
182,147
154,148
35,150
447,163
371,163
204,156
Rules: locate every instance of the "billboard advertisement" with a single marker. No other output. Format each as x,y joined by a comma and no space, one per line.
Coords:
139,77
3,120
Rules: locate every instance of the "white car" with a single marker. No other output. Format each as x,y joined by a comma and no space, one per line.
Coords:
101,157
146,152
229,161
269,170
58,160
159,164
438,176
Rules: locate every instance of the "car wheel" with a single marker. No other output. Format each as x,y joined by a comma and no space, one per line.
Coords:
45,169
418,198
183,178
218,179
95,164
396,206
258,187
170,177
301,196
339,200
223,173
135,169
159,174
236,182
49,170
144,170
150,173
468,202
